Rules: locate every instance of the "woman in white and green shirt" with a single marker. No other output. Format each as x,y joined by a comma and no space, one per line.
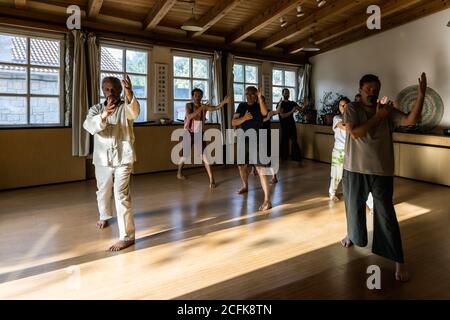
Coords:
337,156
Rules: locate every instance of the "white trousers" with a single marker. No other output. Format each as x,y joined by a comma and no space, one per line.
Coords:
337,169
117,180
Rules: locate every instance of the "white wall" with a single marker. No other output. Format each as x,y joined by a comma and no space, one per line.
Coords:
397,56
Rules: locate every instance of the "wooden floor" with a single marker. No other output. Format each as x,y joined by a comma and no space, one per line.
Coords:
193,243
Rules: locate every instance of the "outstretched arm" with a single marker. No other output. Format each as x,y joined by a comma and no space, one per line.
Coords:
226,100
237,120
96,117
384,109
193,114
288,114
413,117
262,103
269,115
132,107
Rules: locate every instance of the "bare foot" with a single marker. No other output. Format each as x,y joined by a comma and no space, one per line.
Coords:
102,224
401,274
180,176
212,185
242,190
265,206
334,198
120,245
274,180
346,242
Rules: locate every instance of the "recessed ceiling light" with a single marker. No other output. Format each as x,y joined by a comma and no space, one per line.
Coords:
300,12
321,3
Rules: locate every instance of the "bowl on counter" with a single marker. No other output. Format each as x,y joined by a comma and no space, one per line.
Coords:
165,121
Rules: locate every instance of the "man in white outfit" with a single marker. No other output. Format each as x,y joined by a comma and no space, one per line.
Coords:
111,124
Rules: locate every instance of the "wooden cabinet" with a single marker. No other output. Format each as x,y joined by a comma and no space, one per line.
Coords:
420,157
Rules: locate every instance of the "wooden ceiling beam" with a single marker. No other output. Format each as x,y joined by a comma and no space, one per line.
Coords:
310,22
20,4
94,7
388,9
259,22
215,14
133,31
157,13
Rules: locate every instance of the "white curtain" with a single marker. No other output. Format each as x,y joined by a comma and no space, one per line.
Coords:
80,103
230,90
93,70
217,97
304,79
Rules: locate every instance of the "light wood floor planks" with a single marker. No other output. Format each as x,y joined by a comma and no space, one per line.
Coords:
193,243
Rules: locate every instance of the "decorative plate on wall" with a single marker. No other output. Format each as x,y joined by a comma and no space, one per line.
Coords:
433,107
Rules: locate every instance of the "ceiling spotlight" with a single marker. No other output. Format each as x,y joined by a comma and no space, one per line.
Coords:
283,22
300,12
320,3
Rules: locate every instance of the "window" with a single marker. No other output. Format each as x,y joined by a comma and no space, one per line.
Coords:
244,75
117,61
31,70
190,72
283,78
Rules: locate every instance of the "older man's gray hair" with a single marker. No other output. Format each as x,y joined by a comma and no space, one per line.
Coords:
114,81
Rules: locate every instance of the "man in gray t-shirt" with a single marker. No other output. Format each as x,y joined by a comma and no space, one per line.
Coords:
369,167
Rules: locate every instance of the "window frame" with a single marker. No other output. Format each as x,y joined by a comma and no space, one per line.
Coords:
284,68
124,46
245,63
209,80
17,32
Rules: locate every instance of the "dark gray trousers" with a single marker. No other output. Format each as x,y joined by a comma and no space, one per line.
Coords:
387,241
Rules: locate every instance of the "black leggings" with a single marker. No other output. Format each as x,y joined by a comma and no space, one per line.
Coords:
289,132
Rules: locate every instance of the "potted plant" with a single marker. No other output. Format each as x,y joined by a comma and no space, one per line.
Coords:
308,114
330,107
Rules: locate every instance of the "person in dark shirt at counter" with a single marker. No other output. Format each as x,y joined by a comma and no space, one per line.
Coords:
285,110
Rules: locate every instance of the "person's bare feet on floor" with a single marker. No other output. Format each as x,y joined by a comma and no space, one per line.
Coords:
265,206
181,177
212,185
401,274
121,244
334,198
102,224
242,190
346,242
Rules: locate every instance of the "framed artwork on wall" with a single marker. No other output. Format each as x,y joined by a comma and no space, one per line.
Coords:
162,88
266,83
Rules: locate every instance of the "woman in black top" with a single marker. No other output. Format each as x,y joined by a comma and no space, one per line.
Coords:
249,116
266,125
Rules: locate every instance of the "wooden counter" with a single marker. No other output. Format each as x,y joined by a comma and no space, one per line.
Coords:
417,156
154,147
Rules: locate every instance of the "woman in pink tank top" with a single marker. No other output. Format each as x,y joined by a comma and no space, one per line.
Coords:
193,123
